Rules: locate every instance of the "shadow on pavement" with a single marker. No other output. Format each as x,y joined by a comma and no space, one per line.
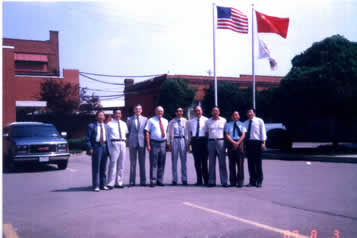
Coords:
74,189
30,168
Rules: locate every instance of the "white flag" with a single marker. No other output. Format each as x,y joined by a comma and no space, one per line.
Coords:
264,52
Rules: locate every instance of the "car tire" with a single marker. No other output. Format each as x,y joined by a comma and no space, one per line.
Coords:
8,163
62,165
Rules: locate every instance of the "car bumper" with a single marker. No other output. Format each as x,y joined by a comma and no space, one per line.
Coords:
41,158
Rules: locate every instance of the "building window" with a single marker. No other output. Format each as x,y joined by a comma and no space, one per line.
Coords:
30,63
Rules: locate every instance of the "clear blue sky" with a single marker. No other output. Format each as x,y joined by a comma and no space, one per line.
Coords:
153,37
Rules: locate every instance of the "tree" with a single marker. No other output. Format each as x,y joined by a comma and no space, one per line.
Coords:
230,98
173,94
321,86
61,97
88,103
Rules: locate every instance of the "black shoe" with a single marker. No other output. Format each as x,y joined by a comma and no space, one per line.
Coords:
152,185
131,184
174,183
198,184
225,185
211,185
184,183
143,184
258,185
110,187
250,185
240,185
119,186
160,184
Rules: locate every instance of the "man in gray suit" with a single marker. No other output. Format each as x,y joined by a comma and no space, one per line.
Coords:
136,142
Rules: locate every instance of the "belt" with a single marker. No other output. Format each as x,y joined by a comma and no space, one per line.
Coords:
158,141
216,139
178,137
198,137
98,143
114,140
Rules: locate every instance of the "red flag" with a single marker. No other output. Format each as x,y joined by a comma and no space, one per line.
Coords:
271,24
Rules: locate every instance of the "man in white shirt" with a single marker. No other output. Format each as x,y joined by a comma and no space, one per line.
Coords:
255,144
214,129
177,143
198,140
118,131
156,130
136,142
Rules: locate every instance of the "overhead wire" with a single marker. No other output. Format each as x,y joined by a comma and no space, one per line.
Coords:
122,76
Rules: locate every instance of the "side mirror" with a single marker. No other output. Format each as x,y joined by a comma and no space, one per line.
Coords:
64,134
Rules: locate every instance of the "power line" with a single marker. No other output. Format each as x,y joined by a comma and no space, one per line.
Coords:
123,76
101,81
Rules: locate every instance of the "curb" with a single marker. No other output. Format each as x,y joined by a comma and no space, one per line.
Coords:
352,158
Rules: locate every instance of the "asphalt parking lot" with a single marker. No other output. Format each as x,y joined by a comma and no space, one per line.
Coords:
306,199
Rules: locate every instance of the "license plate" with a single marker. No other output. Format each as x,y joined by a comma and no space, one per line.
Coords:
44,159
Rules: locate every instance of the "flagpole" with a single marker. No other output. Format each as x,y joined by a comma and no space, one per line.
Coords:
253,59
214,56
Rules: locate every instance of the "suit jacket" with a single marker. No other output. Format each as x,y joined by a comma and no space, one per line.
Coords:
136,136
92,133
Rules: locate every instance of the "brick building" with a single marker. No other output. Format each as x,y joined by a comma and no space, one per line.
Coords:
147,92
26,64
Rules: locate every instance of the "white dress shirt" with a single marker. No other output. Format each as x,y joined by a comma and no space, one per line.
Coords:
97,139
153,127
257,131
192,127
215,128
113,127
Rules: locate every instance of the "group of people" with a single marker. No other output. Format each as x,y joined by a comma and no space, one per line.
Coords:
207,138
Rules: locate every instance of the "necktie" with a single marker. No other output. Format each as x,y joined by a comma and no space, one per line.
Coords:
162,129
101,137
137,123
235,127
198,127
119,130
249,129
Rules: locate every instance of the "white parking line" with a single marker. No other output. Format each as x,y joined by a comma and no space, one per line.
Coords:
285,233
9,231
72,170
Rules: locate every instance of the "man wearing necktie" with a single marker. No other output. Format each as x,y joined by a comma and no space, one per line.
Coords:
156,129
96,141
177,143
118,131
198,140
136,142
235,133
255,143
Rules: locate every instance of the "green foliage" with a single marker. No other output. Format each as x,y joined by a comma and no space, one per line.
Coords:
89,103
322,83
77,145
173,94
61,97
317,97
230,98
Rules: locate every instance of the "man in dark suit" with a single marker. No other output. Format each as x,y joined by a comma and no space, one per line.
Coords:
136,143
96,141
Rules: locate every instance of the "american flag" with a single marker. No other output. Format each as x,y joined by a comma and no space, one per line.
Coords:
232,19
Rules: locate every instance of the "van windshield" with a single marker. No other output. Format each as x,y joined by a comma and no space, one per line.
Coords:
34,131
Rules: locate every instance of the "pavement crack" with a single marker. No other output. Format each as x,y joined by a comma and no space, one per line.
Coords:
314,210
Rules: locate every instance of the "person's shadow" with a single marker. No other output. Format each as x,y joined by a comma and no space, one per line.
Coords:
74,189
